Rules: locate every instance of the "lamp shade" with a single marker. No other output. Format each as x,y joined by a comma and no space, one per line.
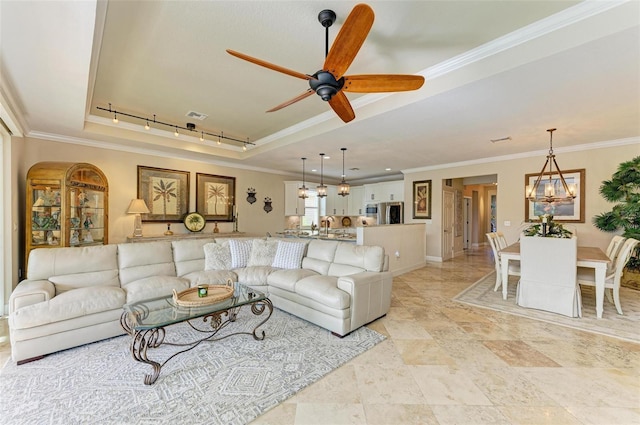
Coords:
137,206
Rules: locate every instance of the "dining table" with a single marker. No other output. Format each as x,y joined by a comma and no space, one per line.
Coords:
588,256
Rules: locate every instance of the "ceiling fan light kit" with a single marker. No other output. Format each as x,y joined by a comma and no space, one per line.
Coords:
330,83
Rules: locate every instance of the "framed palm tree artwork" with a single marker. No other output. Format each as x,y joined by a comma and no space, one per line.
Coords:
166,193
216,197
422,199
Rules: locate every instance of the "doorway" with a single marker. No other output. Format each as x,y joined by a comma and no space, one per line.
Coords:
467,217
448,220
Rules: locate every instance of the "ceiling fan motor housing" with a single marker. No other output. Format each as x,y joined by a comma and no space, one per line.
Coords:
325,85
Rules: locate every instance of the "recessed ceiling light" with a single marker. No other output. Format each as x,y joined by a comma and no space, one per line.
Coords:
314,170
387,169
327,157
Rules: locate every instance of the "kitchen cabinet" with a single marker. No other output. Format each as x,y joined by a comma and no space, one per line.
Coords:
334,204
384,191
394,191
292,204
356,201
67,205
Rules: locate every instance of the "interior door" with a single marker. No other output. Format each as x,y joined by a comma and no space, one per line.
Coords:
448,212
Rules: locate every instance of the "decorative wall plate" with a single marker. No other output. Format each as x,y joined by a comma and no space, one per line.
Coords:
346,222
194,222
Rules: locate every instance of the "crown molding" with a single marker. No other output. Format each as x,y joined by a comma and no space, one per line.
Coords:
179,154
575,148
564,18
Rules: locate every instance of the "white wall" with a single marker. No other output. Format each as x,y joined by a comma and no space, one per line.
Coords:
120,169
599,165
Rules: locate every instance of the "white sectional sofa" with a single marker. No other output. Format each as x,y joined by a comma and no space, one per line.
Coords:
74,296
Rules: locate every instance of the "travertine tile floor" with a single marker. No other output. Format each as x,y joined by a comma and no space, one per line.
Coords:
448,363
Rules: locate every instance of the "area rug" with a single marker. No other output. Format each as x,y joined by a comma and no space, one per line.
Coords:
481,294
231,381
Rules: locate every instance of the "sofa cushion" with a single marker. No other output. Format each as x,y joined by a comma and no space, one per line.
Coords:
324,290
322,250
47,262
286,279
154,287
364,257
338,270
262,252
240,251
137,261
217,256
68,282
253,276
188,254
69,305
289,255
210,277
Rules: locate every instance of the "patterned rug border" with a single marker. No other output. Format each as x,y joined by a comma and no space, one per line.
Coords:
238,381
480,294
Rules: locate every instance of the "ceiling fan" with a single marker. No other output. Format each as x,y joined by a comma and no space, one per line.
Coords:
330,83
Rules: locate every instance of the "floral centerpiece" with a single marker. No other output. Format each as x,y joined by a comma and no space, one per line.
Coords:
548,228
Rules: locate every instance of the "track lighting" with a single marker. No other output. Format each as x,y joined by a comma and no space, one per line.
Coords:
189,128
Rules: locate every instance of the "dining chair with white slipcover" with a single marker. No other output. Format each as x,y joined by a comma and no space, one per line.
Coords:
612,280
548,279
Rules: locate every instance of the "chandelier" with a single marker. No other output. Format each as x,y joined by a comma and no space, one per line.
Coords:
343,188
302,191
565,194
322,189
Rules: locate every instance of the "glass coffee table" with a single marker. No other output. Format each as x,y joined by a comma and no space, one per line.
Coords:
147,323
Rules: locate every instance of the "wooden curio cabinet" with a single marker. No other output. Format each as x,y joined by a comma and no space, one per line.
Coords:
67,205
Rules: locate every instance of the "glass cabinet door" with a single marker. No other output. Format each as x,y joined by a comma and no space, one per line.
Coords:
86,217
45,215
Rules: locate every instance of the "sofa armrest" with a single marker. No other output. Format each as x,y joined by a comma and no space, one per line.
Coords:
370,295
30,292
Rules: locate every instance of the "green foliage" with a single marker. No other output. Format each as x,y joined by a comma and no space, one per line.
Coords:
554,230
624,190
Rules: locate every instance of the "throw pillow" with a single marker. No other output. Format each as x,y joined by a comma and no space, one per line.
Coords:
289,255
240,251
262,252
217,256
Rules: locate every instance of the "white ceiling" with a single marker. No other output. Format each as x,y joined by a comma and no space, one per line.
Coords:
493,69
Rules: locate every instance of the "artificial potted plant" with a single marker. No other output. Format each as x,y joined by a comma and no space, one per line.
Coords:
624,190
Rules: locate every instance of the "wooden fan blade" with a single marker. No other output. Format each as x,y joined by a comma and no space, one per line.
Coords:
308,93
379,83
270,65
340,104
349,40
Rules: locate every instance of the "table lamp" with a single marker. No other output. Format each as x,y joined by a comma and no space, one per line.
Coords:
137,207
